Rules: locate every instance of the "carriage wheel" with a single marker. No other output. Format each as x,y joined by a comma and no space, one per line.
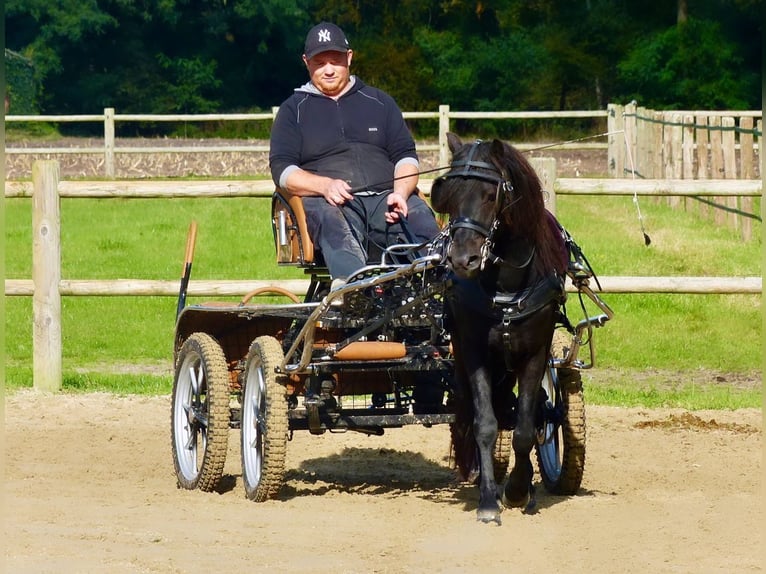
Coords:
199,418
501,455
561,438
264,421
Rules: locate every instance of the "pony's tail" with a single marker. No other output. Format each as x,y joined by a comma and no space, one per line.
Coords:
463,447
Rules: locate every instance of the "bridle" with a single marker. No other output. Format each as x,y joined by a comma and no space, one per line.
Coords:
470,168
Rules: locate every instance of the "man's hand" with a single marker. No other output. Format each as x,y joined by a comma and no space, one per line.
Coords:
337,192
397,207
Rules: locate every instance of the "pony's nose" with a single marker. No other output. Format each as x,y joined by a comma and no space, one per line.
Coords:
464,264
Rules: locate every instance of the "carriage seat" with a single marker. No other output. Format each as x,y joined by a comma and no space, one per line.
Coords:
291,237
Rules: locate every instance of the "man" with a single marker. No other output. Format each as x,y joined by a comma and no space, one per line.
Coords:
344,148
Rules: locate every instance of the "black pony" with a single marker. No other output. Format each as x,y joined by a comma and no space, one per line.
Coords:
507,260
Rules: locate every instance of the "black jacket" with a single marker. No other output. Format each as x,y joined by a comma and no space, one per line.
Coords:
359,138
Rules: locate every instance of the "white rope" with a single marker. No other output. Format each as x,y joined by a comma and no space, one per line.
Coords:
647,239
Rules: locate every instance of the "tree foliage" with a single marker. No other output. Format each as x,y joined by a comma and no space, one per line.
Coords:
690,65
21,87
190,56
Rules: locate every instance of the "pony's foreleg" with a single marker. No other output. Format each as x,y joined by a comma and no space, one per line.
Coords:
485,432
519,490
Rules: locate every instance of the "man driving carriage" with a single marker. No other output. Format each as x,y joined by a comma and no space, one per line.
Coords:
344,148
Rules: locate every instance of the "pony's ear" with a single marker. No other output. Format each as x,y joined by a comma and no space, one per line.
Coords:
454,142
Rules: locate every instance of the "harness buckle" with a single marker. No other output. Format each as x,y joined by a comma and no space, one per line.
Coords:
506,322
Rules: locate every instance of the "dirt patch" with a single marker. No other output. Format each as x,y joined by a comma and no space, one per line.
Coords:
690,421
90,487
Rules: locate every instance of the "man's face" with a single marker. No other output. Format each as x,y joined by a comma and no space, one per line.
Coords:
329,71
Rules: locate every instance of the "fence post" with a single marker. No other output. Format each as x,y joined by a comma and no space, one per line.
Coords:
675,161
687,148
444,152
46,274
545,167
748,171
730,165
629,125
616,139
716,165
109,142
655,147
703,156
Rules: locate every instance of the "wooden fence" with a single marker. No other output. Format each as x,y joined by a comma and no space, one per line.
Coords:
660,144
639,143
46,286
690,145
109,119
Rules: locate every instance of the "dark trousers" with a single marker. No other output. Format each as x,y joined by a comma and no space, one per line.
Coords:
353,235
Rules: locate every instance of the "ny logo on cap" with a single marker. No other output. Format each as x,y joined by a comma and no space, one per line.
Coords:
324,35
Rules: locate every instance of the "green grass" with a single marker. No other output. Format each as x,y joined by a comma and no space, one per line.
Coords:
689,397
145,239
689,389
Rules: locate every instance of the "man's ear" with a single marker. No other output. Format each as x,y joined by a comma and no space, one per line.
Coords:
349,56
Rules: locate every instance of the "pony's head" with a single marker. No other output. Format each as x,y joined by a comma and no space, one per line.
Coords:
491,193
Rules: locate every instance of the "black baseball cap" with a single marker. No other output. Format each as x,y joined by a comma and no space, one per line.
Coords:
325,37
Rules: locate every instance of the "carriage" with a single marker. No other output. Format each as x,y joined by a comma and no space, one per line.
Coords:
371,355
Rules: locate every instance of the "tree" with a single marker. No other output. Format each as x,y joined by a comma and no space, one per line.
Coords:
689,66
21,86
158,56
161,56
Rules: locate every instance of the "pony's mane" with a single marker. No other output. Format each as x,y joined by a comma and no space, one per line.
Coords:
525,214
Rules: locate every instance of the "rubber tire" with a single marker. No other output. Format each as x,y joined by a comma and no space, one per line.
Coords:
264,425
561,449
201,383
501,455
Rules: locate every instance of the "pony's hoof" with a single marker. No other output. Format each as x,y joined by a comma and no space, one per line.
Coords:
488,516
527,501
523,501
531,506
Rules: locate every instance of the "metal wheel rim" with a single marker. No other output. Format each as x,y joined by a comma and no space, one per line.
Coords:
550,439
253,424
190,415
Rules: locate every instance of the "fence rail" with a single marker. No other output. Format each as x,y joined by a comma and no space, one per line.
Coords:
236,288
109,118
630,131
264,188
46,286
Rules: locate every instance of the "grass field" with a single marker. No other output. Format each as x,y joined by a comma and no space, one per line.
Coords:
145,239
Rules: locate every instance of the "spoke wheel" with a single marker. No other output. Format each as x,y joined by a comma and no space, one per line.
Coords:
264,421
561,436
199,418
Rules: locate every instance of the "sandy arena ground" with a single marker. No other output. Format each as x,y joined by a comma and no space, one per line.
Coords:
90,487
